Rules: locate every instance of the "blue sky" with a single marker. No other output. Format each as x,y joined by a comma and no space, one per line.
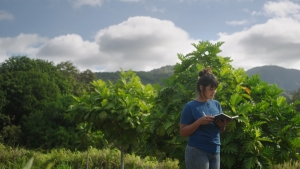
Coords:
106,35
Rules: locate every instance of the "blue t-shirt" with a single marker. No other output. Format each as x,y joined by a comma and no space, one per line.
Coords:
206,137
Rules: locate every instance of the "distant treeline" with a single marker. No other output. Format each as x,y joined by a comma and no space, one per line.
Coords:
154,76
287,79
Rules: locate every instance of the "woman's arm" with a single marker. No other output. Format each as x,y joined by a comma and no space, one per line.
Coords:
186,130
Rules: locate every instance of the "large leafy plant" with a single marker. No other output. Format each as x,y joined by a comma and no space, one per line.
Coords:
117,109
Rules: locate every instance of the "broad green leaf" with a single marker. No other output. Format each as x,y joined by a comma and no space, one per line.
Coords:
104,102
235,99
280,101
28,165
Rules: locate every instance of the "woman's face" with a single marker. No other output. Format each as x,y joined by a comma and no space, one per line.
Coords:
209,92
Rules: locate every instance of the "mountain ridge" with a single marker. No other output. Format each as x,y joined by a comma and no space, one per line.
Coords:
287,79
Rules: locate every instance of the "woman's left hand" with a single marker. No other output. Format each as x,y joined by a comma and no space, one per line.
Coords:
221,123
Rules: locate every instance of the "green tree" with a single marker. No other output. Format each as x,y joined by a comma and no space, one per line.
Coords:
80,80
295,97
49,128
26,91
71,72
27,86
24,63
266,133
118,110
11,135
86,78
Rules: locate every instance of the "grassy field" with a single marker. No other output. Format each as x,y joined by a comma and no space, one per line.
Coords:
19,158
64,159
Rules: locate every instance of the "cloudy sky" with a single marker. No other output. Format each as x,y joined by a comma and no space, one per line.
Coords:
106,35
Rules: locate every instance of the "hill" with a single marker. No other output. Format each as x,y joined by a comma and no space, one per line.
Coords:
287,79
154,76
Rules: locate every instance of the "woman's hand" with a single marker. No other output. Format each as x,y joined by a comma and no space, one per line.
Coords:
186,130
221,124
206,119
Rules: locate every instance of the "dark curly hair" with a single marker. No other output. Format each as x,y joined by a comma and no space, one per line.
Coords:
205,78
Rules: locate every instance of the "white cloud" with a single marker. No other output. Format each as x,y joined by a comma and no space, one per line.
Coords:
70,48
274,42
23,44
282,8
79,3
4,15
142,43
237,23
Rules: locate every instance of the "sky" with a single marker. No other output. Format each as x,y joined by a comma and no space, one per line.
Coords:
142,35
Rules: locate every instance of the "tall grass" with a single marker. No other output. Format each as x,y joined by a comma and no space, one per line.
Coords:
19,158
65,159
288,165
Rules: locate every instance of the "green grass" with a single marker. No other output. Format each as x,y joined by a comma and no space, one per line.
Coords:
288,165
20,158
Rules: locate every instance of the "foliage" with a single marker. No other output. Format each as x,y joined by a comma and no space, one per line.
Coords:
34,97
33,100
154,76
49,128
26,92
10,135
266,133
86,78
63,158
295,97
287,79
80,80
106,158
25,64
116,109
287,165
27,85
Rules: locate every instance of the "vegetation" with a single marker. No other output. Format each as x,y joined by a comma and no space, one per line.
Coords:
154,76
287,79
295,97
66,159
117,110
255,140
126,119
35,95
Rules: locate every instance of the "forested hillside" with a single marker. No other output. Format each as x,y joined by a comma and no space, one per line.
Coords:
154,76
287,79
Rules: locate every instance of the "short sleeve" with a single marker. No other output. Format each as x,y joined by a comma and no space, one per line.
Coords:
218,105
186,115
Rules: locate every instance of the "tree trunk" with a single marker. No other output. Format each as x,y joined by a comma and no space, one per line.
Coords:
87,158
122,159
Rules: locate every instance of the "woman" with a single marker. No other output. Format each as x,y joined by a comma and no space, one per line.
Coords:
198,124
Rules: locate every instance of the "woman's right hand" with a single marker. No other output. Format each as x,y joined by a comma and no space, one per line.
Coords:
206,119
186,130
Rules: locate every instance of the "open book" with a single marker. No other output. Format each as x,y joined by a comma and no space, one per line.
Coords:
224,116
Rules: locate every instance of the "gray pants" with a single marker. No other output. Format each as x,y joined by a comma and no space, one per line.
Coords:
198,159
